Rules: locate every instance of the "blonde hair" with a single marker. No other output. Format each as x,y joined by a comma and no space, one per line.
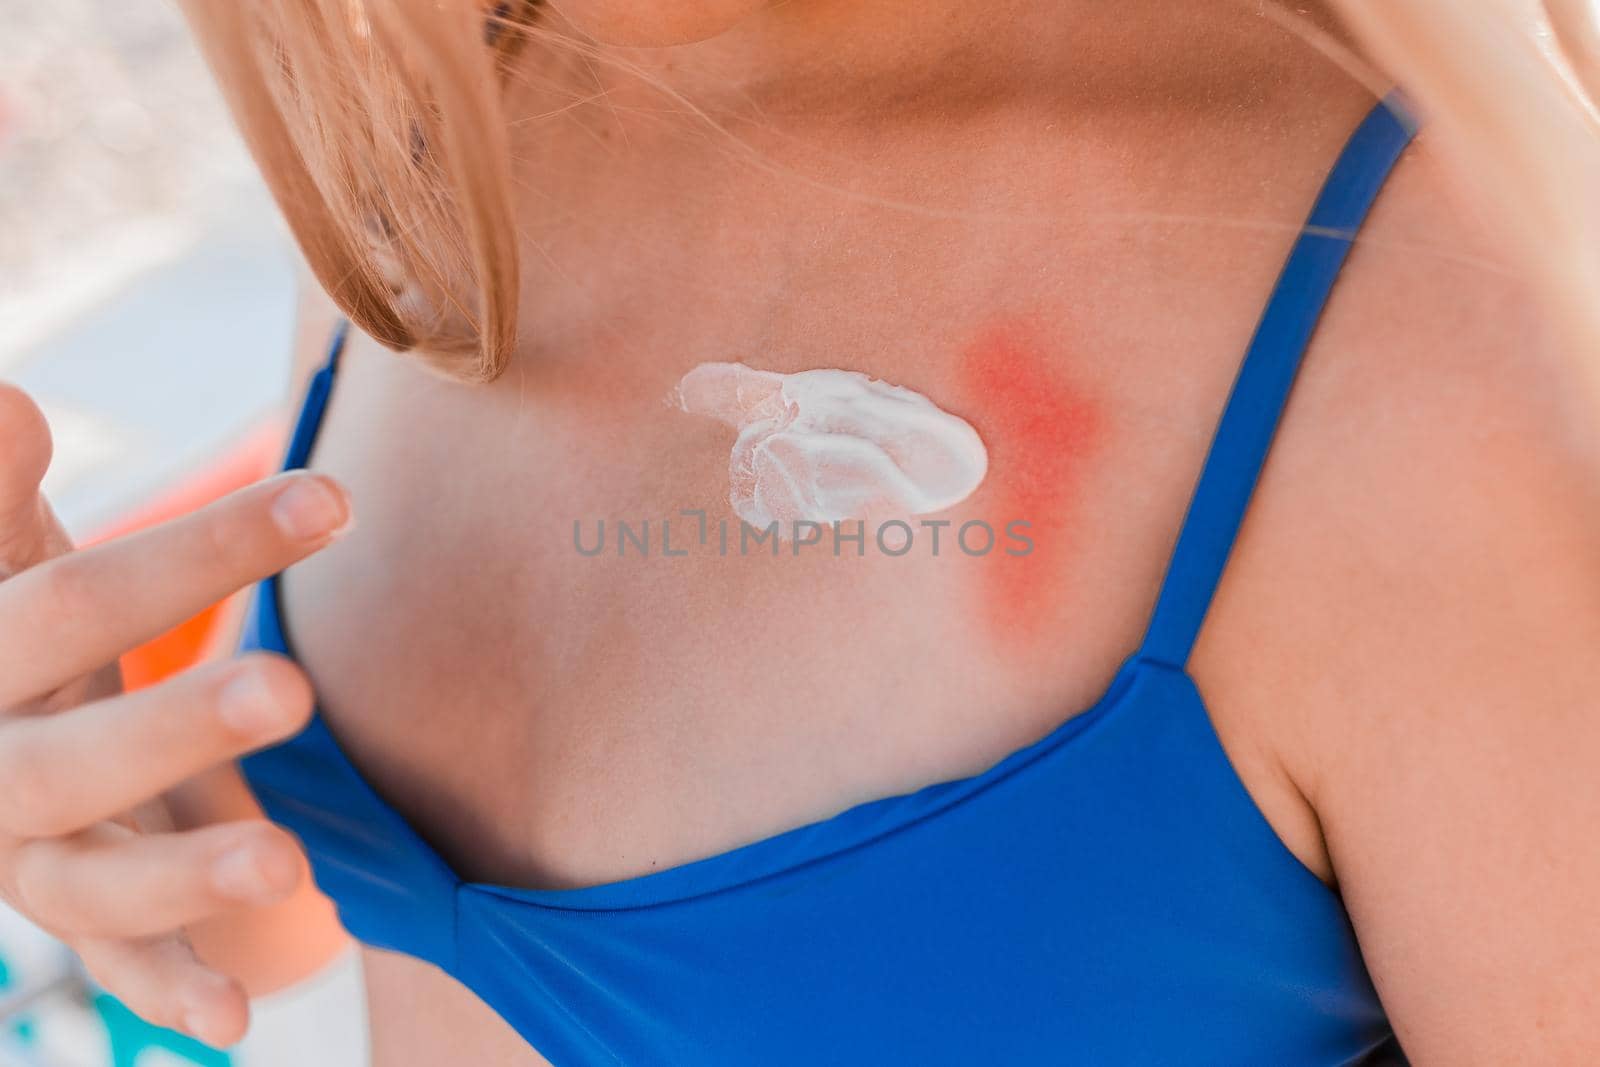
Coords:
379,127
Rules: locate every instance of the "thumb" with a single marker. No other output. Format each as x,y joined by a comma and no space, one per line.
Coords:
30,533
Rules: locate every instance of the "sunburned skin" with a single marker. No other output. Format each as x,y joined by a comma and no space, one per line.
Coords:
825,446
1041,432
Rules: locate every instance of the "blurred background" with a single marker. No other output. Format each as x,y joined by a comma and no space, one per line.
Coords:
146,302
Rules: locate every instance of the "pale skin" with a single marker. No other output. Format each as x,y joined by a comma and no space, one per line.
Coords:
1399,664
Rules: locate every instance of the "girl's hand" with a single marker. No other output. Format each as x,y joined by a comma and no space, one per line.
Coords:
85,849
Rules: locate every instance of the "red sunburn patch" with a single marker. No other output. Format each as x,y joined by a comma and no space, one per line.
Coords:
1040,431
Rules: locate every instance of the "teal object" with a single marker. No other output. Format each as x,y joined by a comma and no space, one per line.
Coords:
131,1037
21,1027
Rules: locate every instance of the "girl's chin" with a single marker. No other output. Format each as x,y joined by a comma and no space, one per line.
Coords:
657,23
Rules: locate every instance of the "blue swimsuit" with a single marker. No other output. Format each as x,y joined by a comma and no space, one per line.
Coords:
1106,895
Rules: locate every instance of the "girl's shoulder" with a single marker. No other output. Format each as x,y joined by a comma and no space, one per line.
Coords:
1412,618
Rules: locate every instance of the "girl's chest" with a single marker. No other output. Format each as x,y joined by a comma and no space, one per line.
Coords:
554,642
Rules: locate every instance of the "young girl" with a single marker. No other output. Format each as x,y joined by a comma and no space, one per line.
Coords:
830,583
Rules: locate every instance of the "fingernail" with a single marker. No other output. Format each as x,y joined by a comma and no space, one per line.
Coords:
310,507
246,704
238,873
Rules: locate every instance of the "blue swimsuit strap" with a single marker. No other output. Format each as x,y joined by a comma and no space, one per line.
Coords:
317,392
1255,407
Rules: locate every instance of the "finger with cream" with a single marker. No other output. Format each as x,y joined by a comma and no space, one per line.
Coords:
828,445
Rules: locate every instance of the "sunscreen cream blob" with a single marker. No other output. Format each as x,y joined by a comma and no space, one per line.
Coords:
828,445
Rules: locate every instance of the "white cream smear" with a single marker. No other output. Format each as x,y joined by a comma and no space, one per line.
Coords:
828,445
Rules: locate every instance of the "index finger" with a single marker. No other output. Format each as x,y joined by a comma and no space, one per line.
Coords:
65,618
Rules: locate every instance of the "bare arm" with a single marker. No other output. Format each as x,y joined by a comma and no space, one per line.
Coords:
1411,631
1460,805
1424,564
